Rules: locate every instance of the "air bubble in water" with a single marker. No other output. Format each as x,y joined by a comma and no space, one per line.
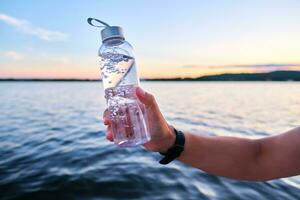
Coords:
115,66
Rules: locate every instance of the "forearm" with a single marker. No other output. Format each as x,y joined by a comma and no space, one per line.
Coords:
223,156
246,159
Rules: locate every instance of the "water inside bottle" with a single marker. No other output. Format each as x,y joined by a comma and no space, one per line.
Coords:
120,80
118,69
128,124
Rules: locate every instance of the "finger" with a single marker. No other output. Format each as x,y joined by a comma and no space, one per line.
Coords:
153,114
146,98
106,119
142,107
109,135
105,113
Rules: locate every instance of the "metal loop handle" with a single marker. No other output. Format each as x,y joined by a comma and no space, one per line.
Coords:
104,24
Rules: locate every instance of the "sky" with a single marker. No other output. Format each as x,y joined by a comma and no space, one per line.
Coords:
171,38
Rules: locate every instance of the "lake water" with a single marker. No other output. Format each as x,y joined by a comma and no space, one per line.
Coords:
53,146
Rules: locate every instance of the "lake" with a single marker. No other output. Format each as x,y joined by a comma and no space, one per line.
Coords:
53,146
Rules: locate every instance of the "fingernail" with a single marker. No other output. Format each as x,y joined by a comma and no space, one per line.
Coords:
140,92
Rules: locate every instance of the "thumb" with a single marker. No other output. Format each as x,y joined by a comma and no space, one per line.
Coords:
146,98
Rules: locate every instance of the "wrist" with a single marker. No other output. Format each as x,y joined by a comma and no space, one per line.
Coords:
168,140
176,149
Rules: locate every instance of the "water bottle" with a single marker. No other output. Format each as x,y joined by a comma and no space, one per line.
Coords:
120,80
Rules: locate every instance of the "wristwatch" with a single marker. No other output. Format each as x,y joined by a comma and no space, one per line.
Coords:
175,150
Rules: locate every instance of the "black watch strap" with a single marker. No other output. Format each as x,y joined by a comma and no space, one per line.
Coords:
175,150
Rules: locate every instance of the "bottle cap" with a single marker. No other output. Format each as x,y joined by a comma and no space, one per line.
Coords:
112,32
109,31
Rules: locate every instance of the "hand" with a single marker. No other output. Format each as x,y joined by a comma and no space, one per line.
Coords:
162,136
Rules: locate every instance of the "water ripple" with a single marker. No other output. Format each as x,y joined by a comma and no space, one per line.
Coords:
53,146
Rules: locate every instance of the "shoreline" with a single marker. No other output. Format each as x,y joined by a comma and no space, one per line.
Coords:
269,76
163,80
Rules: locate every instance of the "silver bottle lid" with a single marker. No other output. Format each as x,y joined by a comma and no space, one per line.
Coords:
112,32
109,31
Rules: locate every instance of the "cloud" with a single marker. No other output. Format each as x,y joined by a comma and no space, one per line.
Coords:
194,66
254,66
27,27
13,55
267,65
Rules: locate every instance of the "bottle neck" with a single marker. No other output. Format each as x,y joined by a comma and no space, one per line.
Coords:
114,41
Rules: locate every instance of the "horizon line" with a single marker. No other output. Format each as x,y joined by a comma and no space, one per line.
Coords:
142,79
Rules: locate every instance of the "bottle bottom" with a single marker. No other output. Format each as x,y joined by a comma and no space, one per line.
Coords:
132,143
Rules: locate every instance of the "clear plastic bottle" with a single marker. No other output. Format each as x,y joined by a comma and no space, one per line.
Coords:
120,79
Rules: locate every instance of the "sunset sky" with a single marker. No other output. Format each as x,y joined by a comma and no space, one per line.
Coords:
51,39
